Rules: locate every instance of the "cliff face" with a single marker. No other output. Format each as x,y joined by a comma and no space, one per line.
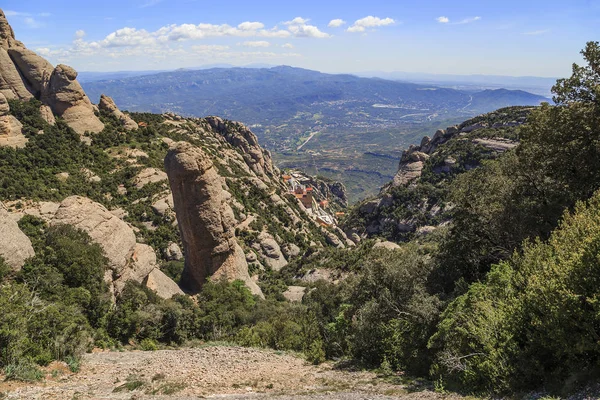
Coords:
415,201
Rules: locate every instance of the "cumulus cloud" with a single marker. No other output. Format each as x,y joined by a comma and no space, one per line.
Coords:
336,23
299,27
257,43
80,34
443,20
297,21
251,26
370,22
288,46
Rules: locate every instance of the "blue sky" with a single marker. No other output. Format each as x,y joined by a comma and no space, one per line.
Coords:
537,38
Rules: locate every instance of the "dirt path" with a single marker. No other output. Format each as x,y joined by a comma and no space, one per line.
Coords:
207,372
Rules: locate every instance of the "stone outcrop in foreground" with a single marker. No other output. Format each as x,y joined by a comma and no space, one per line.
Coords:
206,221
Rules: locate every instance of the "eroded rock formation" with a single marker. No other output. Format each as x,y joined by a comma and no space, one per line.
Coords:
15,246
25,75
108,105
206,221
11,130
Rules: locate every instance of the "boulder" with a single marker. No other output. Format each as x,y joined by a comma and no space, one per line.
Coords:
290,250
114,236
142,262
108,105
294,293
270,249
386,245
174,252
149,175
15,246
66,98
162,284
164,205
332,239
206,220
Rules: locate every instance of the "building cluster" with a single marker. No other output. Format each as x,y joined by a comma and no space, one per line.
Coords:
299,186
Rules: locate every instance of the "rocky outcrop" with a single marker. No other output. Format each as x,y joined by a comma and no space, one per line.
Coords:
11,130
47,115
114,236
173,252
25,75
108,105
238,135
34,69
66,98
206,220
162,284
15,246
149,175
294,293
141,263
271,250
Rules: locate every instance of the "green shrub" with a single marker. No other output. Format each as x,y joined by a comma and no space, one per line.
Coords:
24,371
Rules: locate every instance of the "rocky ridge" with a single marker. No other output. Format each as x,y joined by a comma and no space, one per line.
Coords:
24,75
395,213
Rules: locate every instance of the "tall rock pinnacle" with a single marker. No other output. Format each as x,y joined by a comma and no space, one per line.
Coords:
206,220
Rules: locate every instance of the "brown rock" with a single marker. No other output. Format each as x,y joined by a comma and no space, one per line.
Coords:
11,83
66,98
11,130
108,105
206,220
114,236
15,246
35,70
143,261
294,293
258,159
162,284
47,114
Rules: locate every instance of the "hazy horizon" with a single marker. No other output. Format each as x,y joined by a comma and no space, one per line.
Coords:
511,38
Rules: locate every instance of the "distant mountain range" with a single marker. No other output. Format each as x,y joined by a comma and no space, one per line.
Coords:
309,119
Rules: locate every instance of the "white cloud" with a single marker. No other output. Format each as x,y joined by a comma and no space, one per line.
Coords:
288,46
297,21
536,33
336,23
443,20
363,24
299,27
251,26
258,43
80,34
468,20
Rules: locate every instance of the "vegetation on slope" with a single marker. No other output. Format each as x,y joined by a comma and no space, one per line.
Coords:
502,300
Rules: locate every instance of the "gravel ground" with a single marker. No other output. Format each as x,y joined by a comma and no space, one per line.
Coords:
207,372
